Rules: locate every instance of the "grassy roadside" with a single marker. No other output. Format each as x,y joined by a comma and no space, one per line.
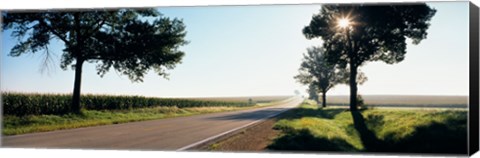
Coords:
13,125
309,128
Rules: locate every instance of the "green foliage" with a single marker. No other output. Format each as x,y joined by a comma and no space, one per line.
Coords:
374,33
321,75
121,39
131,41
250,101
313,92
112,38
377,32
315,70
360,101
20,104
399,130
40,123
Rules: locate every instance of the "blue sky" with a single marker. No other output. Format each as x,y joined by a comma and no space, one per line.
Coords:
256,50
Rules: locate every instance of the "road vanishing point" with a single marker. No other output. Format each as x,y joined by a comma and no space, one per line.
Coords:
181,133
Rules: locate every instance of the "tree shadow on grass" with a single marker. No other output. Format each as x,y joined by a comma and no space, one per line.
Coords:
368,137
446,137
436,137
303,140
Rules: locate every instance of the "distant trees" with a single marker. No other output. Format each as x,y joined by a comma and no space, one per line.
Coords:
297,92
123,39
319,74
356,34
313,92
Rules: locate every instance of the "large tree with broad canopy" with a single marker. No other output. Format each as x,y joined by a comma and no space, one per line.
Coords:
356,34
131,41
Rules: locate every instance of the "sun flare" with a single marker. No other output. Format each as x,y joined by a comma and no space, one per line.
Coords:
343,23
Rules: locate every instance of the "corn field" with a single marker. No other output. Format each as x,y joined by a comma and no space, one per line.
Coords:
20,104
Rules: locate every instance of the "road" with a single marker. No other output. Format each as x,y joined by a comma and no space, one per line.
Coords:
165,134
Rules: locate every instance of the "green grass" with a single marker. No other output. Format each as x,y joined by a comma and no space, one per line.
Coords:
309,128
35,112
40,123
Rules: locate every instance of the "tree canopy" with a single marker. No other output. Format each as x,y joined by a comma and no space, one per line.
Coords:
372,33
321,75
131,41
121,39
315,70
313,92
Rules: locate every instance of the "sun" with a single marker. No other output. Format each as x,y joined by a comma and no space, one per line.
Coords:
343,23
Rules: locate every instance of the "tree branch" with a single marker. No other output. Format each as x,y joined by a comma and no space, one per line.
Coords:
97,27
64,39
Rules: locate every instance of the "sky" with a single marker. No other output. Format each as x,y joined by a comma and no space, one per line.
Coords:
256,51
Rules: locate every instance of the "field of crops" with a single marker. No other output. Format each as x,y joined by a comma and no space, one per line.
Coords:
20,104
254,99
405,101
28,113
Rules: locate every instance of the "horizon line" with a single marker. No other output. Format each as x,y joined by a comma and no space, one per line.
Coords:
225,96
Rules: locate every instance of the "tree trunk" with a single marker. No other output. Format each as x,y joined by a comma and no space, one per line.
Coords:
324,100
353,87
353,74
78,66
76,87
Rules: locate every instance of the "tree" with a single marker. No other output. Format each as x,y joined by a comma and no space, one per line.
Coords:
322,75
357,34
312,92
131,41
297,93
316,71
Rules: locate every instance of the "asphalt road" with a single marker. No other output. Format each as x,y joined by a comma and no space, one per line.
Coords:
165,134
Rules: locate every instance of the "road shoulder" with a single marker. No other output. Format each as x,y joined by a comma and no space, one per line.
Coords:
254,138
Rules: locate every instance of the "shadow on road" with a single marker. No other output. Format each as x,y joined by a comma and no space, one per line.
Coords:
254,115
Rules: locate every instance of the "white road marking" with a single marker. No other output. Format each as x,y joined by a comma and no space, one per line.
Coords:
229,131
